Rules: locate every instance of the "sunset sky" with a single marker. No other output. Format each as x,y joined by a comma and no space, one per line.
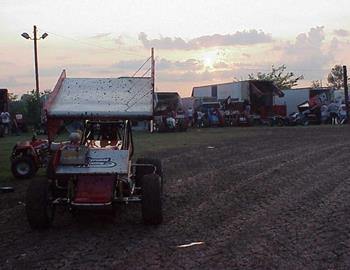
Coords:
196,42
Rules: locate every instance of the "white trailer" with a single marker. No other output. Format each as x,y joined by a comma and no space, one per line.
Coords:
294,97
258,93
238,91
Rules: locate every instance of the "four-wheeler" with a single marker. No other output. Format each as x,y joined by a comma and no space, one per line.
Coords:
96,170
28,156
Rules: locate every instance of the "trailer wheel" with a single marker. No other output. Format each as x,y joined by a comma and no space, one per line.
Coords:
40,209
151,199
23,167
143,170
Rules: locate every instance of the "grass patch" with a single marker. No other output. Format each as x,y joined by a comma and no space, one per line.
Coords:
146,142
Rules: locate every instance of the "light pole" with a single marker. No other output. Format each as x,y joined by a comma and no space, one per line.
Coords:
35,39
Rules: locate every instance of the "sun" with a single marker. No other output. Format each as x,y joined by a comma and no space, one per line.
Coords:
209,59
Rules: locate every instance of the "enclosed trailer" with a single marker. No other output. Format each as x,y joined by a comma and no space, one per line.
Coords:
238,91
258,93
294,97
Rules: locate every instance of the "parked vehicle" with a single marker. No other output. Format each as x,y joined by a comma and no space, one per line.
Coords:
297,118
211,114
169,114
96,170
28,156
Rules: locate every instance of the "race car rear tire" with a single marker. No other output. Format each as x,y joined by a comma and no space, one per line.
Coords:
143,170
40,209
151,199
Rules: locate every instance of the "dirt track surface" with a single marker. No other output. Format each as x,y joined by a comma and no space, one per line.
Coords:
276,199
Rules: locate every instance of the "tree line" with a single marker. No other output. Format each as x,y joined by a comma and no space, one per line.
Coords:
287,80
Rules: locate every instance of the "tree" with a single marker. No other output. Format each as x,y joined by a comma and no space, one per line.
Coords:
32,108
335,77
27,105
12,97
279,76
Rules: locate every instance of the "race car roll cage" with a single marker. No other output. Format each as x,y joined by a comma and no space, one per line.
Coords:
122,125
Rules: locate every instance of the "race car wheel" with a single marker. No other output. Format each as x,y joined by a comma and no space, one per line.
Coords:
23,167
151,199
143,170
40,209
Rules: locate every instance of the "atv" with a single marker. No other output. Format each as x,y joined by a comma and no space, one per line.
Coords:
28,156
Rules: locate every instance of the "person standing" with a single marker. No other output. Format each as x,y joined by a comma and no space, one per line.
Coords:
324,114
342,114
333,112
6,121
190,116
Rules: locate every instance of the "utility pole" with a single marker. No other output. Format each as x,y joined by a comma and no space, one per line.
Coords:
153,86
37,90
36,67
346,92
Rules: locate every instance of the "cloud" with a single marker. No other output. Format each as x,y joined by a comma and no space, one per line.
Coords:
120,40
166,43
188,65
250,37
341,33
307,53
128,64
101,35
186,76
7,64
220,65
10,82
161,64
239,38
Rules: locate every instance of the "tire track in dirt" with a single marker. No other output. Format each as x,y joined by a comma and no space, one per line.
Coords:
197,229
218,179
255,230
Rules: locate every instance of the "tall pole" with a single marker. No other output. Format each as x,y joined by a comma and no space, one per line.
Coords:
346,92
36,64
153,86
37,91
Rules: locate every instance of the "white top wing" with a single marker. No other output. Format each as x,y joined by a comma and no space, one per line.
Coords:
115,97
